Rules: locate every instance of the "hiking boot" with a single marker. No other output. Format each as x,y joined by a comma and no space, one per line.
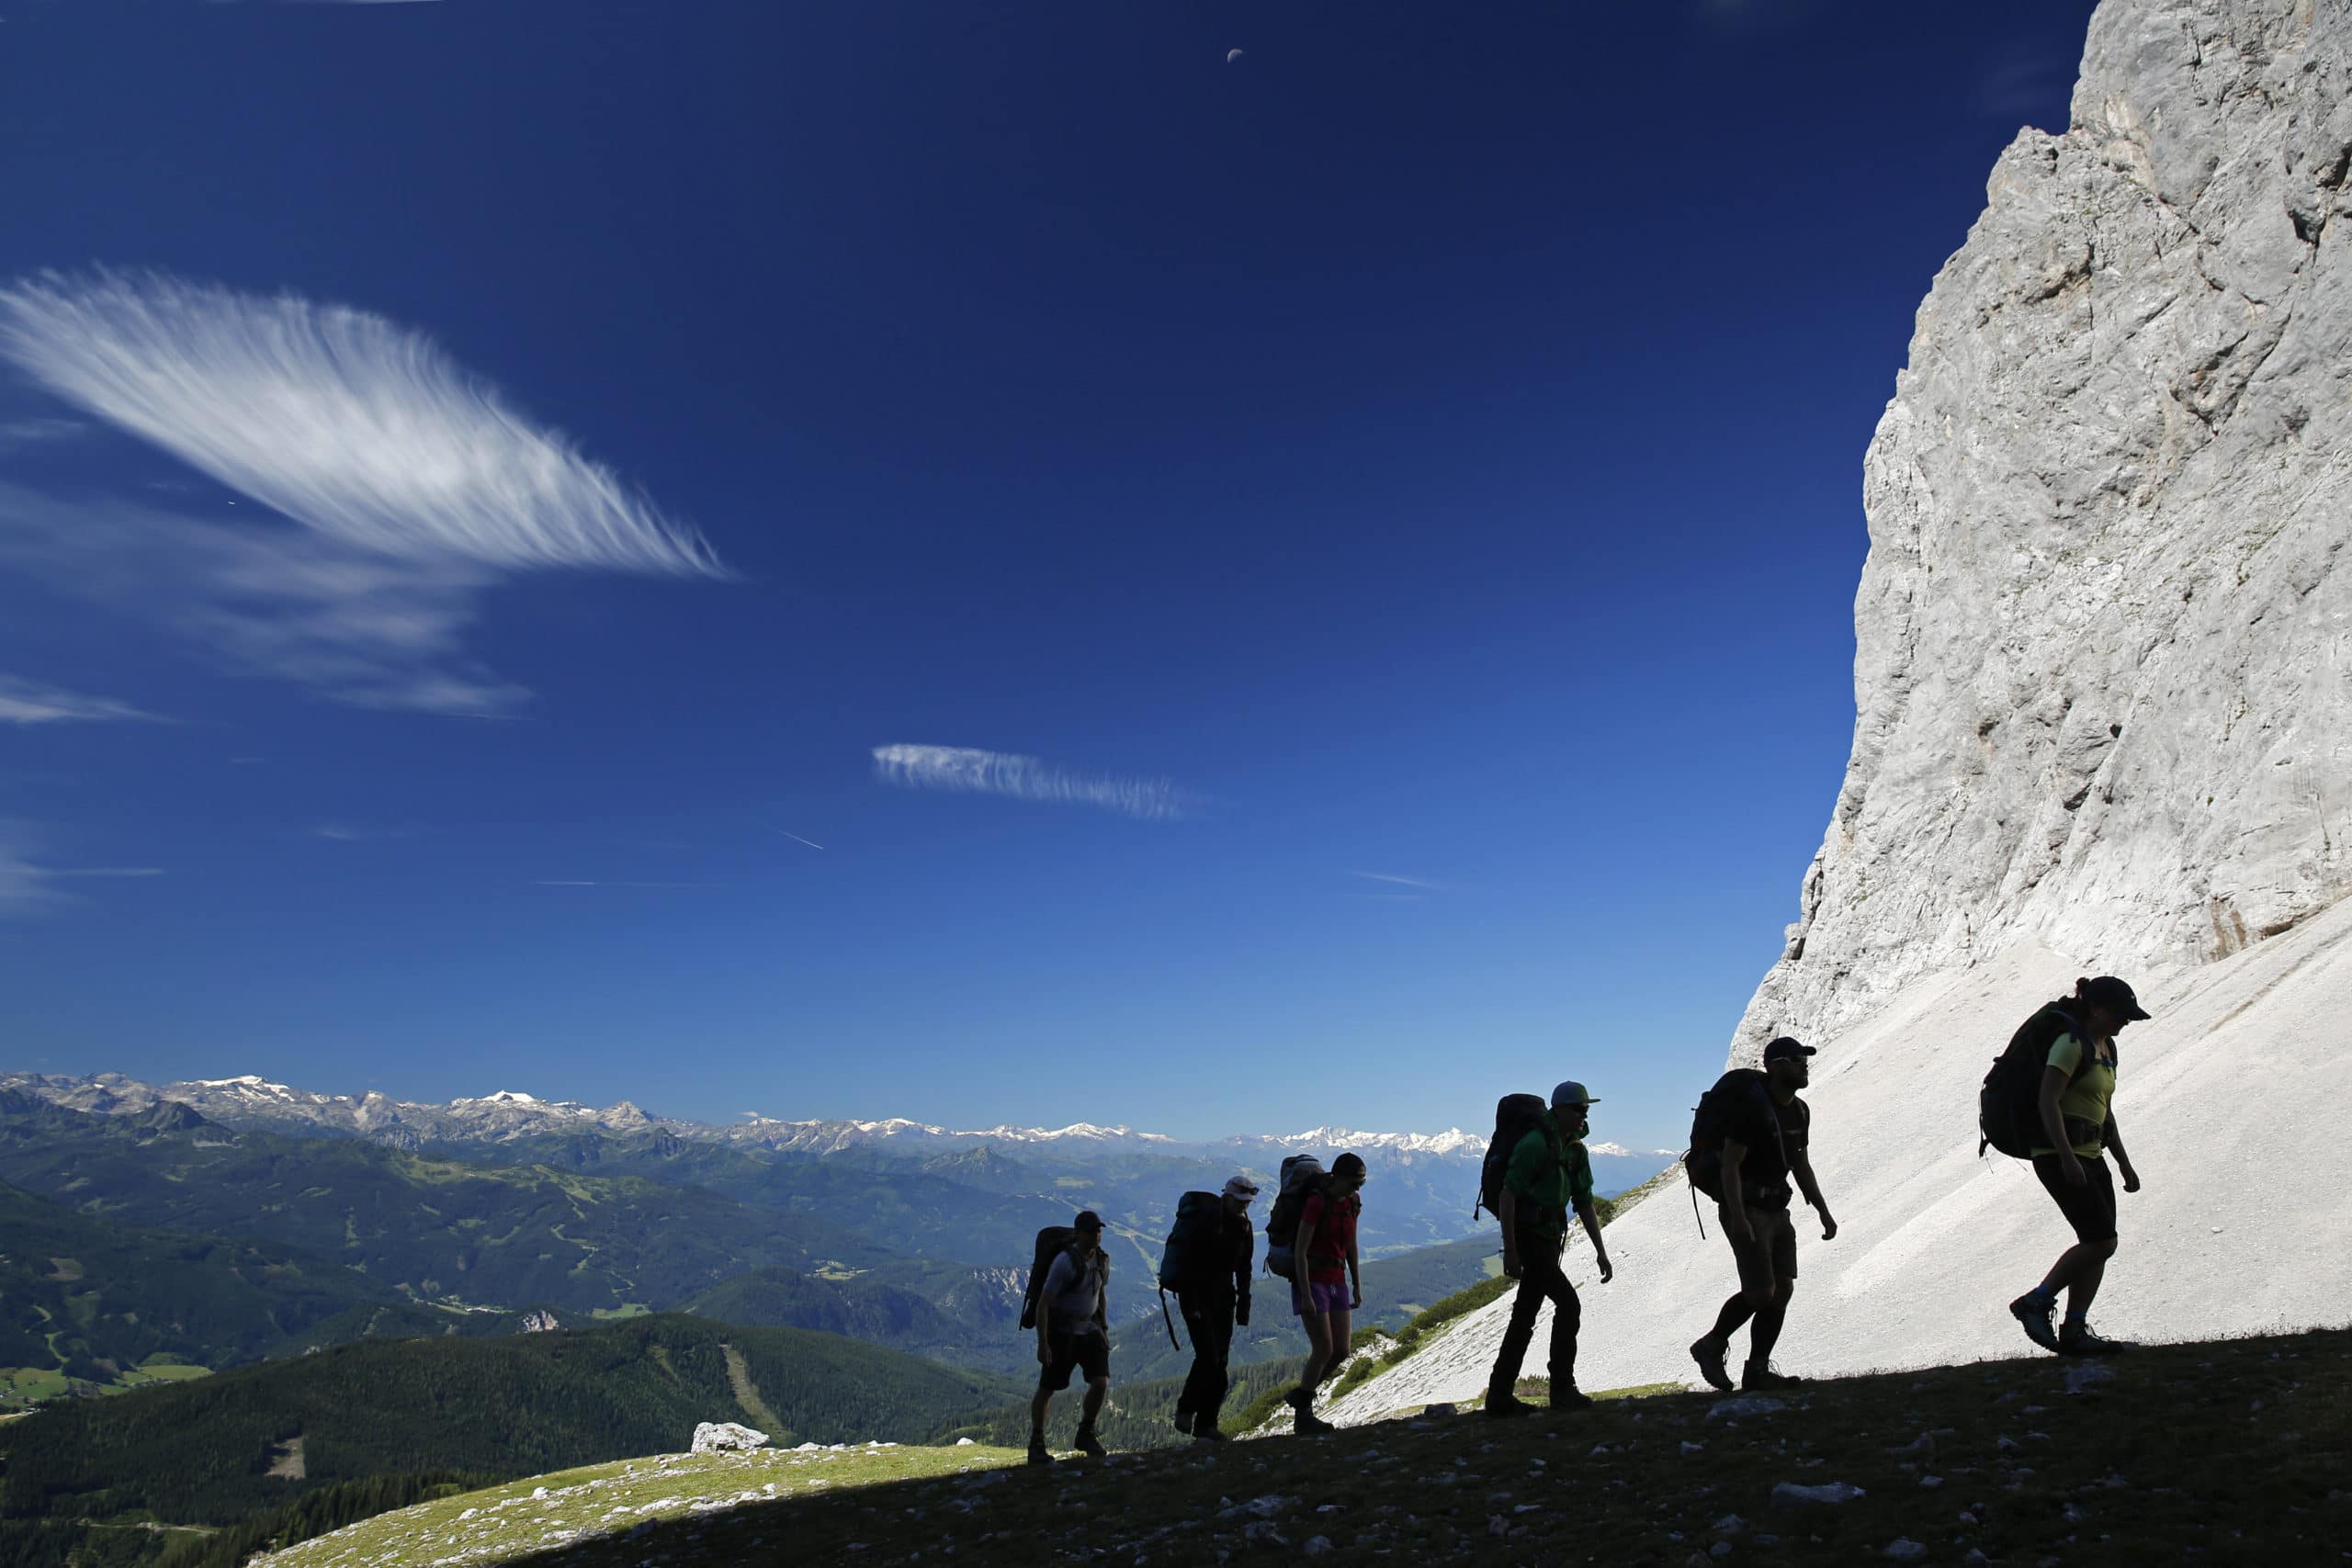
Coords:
2032,1313
1709,1357
1570,1397
1087,1444
2079,1339
1184,1421
1037,1454
1208,1432
1502,1404
1759,1375
1306,1422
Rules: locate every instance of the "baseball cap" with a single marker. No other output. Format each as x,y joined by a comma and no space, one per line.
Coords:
1241,1187
1787,1048
1088,1220
1572,1093
2109,991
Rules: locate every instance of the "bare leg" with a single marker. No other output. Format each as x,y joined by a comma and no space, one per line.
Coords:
1094,1394
1038,1418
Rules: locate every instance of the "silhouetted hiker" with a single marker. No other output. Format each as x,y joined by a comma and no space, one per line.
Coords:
2077,1122
1074,1332
1208,1264
1327,1285
1548,1174
1747,1139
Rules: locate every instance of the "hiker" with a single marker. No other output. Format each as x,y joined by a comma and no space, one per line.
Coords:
1074,1334
1214,1296
1549,1173
2077,1131
1765,1131
1327,1284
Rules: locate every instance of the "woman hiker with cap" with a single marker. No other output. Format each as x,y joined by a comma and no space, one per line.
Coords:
2078,1128
1764,1144
1548,1174
1212,1301
1326,1265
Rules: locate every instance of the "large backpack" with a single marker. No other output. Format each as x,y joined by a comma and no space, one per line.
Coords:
1189,1258
2008,1108
1516,1115
1052,1242
1716,1114
1299,1175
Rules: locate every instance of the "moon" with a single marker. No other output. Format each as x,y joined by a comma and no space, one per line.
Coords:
1231,55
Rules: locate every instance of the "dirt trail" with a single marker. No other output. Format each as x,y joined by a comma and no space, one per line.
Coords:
747,1394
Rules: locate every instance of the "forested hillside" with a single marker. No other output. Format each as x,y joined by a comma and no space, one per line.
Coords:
435,1229
217,1451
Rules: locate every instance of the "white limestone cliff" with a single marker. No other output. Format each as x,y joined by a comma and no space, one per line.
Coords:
2103,691
2103,676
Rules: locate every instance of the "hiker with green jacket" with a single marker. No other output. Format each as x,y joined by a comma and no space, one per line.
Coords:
1548,1175
2077,1122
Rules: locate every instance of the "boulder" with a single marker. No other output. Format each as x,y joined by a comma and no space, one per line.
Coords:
727,1437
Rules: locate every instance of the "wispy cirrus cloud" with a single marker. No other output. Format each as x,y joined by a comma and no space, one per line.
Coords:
972,772
582,881
1400,881
30,702
18,433
27,886
416,486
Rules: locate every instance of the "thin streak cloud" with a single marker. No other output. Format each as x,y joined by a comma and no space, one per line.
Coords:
793,836
567,882
27,886
1399,881
29,702
338,418
968,770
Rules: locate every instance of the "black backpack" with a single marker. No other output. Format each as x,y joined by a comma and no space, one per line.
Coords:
1298,1177
1053,1241
2008,1108
1713,1117
1516,1115
1189,1258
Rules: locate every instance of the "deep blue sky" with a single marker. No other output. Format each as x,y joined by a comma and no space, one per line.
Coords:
1431,442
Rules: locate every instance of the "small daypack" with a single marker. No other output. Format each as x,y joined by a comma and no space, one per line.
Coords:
2008,1108
1299,1175
1052,1242
1516,1115
1713,1117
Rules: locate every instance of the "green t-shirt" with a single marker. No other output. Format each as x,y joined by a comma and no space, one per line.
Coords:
1549,1187
2091,1085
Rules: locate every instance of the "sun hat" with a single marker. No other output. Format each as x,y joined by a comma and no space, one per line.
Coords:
1572,1093
1241,1187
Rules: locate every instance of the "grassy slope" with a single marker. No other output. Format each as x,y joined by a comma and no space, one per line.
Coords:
2232,1452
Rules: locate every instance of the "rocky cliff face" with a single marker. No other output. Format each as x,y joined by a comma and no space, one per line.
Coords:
2104,670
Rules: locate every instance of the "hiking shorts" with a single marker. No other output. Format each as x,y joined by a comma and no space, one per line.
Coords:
2089,1208
1317,1297
1073,1352
1771,1257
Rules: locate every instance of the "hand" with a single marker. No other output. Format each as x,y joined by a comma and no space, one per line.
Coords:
1738,1229
1044,1354
1511,1263
2130,1178
1241,1316
1355,1297
1828,1226
1607,1272
2075,1175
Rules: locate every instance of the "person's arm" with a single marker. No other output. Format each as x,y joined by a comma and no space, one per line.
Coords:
1242,1278
1801,1166
1592,1228
1355,1271
2113,1139
1735,1196
1301,1238
2053,1124
1508,1214
1103,1304
1045,1311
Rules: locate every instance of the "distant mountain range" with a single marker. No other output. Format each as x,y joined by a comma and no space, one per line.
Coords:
509,1115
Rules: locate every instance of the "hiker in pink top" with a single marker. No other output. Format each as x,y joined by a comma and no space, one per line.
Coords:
1327,1284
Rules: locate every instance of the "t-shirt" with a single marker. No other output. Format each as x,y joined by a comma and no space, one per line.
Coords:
1335,1237
1547,1188
2090,1086
1765,1170
1073,1292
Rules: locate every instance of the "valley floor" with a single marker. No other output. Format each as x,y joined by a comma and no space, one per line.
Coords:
2225,1451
